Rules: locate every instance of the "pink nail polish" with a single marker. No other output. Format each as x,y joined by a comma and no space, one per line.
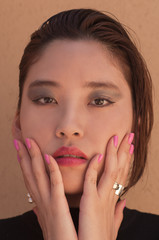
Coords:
131,137
115,141
100,158
16,145
28,143
47,159
131,150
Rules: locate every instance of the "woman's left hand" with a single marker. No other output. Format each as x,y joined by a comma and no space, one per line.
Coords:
100,214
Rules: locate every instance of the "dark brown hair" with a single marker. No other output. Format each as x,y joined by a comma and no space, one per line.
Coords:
91,24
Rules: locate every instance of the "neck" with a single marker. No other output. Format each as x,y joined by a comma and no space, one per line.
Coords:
73,200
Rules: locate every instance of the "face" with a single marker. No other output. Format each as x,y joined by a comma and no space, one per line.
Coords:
75,96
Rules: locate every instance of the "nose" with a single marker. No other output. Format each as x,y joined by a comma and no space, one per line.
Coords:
67,133
70,125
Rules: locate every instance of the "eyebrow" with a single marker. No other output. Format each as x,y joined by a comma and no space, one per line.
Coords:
93,84
101,85
41,83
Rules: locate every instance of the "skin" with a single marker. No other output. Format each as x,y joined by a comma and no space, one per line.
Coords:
85,72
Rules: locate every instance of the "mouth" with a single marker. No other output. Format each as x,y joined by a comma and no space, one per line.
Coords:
70,156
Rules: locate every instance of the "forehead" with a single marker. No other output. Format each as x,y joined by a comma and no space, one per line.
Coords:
82,60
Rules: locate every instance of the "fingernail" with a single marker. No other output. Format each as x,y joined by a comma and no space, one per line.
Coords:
124,204
131,137
100,158
47,158
16,145
28,143
131,150
18,158
115,141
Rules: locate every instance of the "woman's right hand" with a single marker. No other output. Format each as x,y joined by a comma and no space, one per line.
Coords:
51,208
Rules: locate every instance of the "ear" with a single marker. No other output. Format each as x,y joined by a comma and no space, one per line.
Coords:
16,128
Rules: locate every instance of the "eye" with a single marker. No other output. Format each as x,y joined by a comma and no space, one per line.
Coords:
101,102
45,100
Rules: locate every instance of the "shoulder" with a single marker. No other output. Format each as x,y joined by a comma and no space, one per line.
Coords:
139,225
24,227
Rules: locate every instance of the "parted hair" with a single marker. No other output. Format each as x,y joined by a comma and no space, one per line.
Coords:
85,24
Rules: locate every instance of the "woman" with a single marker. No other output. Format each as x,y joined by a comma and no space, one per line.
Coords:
82,125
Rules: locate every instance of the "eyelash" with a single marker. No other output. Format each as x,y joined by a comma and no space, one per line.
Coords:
53,101
37,101
108,102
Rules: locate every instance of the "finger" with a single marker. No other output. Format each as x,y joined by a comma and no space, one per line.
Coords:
110,169
25,164
90,183
119,214
124,157
57,187
39,169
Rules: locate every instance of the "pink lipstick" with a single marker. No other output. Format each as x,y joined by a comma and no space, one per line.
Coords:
70,156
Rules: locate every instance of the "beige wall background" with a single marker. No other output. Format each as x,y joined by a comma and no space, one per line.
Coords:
18,19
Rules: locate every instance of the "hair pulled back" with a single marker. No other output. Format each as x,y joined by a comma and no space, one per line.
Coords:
91,24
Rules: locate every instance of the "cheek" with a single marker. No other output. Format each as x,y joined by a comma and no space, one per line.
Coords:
36,125
116,121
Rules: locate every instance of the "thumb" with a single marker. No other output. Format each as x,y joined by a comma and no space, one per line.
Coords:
91,175
119,214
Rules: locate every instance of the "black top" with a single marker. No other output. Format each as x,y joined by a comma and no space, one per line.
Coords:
135,226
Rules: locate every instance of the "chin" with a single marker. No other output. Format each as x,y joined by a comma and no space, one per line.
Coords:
73,180
73,187
73,183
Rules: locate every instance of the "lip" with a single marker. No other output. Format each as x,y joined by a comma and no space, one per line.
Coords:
70,156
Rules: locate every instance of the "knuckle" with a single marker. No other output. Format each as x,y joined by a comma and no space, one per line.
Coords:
126,150
37,173
52,170
56,182
90,178
33,153
27,176
113,175
21,155
121,170
94,168
55,178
